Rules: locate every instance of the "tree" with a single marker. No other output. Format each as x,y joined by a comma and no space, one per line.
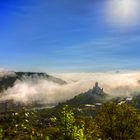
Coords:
118,122
69,131
67,120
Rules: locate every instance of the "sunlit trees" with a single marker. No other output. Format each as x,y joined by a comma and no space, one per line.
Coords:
70,131
66,123
113,121
90,128
118,122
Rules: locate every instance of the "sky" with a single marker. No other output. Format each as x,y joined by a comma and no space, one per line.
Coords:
69,35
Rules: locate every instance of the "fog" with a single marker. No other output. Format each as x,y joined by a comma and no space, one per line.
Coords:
114,83
4,72
39,89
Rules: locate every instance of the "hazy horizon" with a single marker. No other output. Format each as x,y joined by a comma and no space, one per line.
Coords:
28,89
80,42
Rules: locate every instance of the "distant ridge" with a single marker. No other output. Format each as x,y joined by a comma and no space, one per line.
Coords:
8,80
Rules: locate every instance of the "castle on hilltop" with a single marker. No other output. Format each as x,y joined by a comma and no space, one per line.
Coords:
97,90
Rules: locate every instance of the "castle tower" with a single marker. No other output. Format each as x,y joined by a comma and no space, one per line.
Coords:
96,84
97,90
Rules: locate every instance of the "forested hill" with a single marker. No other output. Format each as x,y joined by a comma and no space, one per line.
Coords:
92,96
8,80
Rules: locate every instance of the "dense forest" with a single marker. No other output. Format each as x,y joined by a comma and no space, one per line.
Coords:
112,121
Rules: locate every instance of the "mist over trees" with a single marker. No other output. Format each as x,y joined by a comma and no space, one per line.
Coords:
91,115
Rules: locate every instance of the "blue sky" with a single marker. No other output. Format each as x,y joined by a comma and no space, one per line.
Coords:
68,36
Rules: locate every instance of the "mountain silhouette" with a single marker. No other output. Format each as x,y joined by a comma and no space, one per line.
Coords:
9,80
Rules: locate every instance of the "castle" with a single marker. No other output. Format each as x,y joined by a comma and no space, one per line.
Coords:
97,90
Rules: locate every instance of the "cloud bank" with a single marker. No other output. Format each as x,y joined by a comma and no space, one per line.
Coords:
4,72
39,89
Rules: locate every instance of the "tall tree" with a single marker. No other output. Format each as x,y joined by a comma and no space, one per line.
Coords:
118,122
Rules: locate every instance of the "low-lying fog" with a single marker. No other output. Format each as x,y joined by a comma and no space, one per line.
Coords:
39,89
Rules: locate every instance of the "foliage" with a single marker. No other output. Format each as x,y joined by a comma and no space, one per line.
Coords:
113,121
22,125
78,133
89,127
118,122
1,133
67,120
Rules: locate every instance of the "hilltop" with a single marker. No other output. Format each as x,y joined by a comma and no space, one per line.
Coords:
8,80
92,96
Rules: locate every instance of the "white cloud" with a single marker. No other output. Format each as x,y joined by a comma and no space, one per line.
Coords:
115,84
4,72
43,91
